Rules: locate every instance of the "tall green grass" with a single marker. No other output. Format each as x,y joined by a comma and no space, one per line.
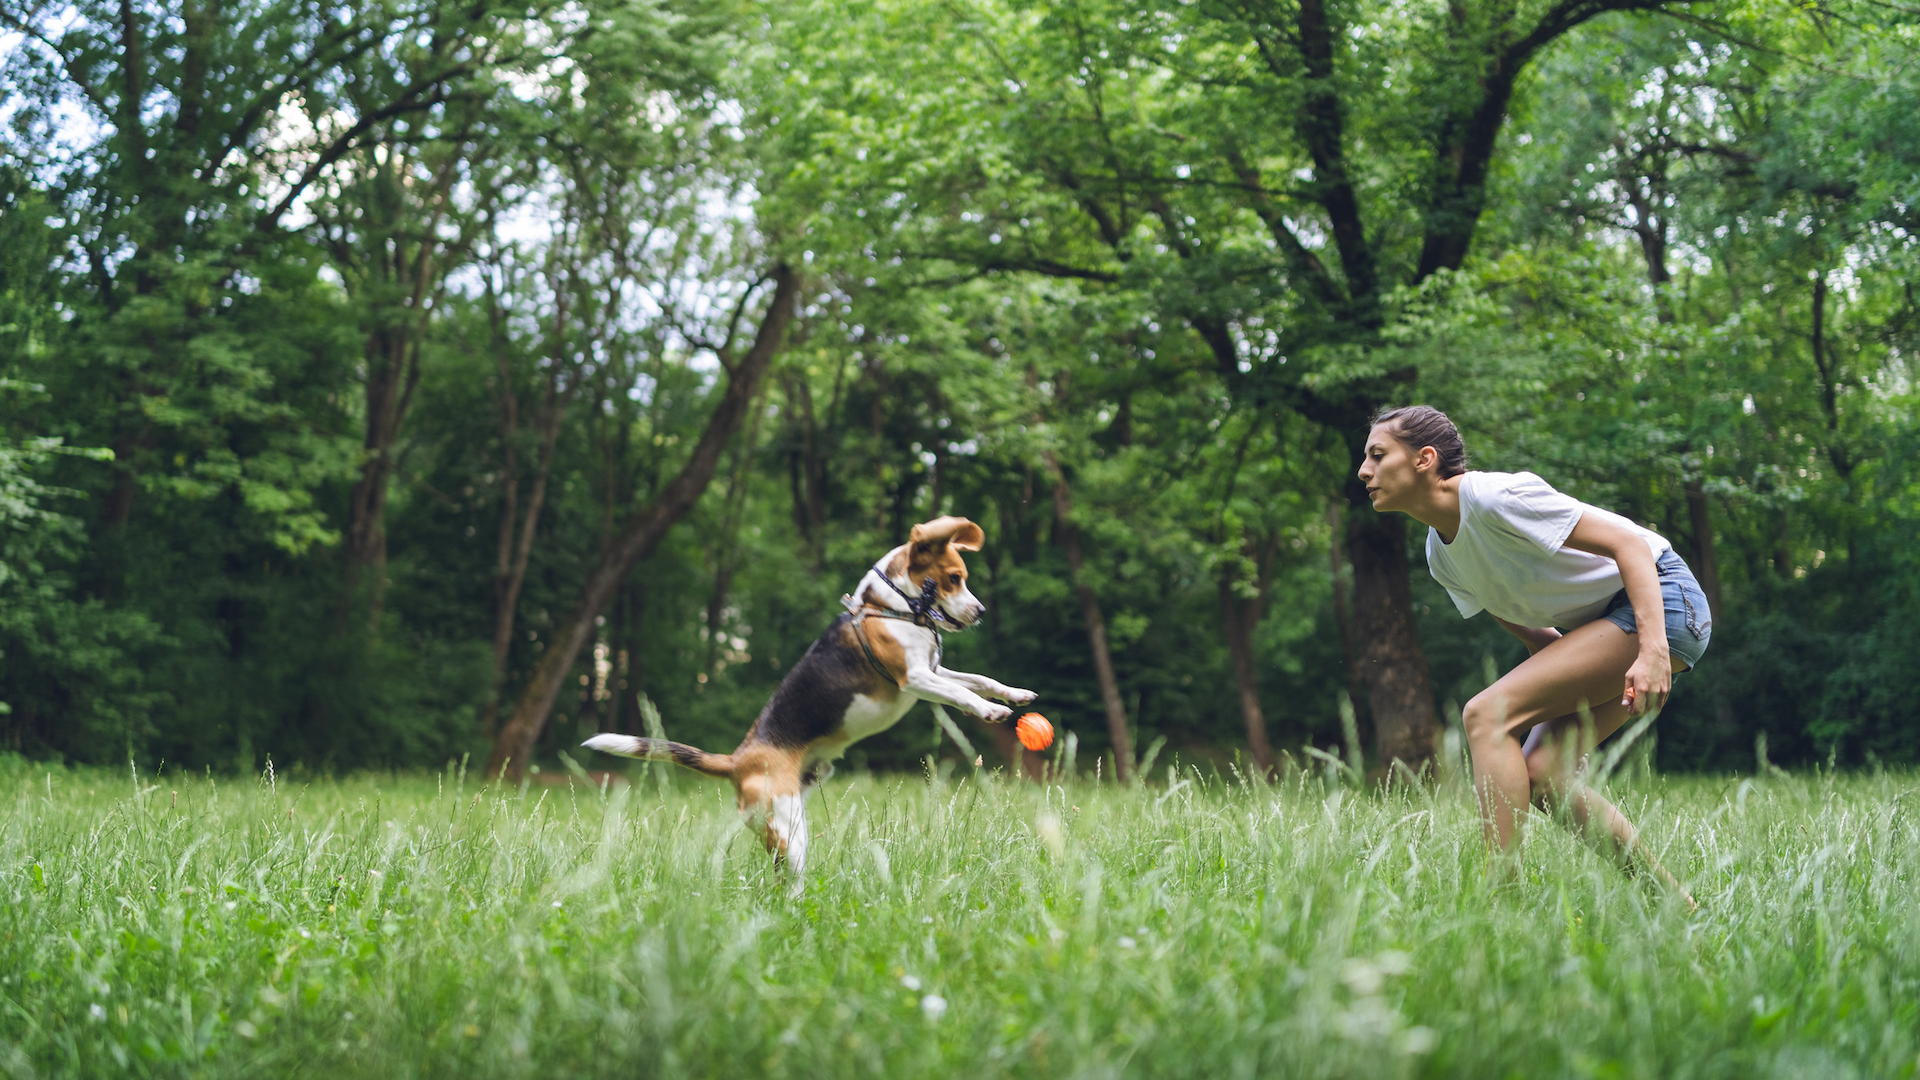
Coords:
433,926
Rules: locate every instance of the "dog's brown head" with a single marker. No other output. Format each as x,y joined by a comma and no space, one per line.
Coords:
933,551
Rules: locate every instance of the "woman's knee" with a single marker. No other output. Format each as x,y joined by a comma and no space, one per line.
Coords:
1485,717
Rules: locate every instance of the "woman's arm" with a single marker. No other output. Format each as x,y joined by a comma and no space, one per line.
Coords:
1534,638
1651,676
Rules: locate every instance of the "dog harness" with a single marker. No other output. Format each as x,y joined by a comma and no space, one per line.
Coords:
923,611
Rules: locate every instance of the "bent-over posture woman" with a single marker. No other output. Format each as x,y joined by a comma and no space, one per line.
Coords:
1535,559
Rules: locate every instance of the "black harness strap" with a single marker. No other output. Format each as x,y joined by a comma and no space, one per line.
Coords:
923,612
860,634
873,658
925,608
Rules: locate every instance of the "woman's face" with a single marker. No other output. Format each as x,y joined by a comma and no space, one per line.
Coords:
1391,471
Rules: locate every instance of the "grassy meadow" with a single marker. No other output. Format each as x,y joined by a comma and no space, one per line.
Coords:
428,925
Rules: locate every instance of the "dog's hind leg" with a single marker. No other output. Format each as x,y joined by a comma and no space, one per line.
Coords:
771,791
788,828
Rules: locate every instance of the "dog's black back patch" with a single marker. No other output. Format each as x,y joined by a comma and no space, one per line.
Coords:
812,701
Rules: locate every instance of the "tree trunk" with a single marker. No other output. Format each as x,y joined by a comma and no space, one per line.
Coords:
1828,366
393,370
632,675
1239,617
808,466
505,593
393,373
1019,761
1096,625
1706,564
1782,546
1393,667
117,507
725,558
399,285
133,133
1651,228
514,547
1343,611
640,535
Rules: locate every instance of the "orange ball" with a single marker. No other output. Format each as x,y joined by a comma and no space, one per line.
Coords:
1034,731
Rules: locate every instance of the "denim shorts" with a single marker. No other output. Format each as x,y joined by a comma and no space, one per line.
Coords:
1689,619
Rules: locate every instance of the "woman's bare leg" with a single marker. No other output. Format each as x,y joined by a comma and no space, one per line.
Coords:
1583,668
1541,700
1556,753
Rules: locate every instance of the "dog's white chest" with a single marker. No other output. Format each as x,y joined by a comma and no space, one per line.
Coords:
869,716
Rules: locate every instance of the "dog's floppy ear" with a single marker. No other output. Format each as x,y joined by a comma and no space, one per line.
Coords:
957,531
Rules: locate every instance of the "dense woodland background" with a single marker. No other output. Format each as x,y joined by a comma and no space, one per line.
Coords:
385,382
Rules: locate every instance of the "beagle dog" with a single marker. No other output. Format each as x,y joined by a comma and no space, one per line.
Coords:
858,679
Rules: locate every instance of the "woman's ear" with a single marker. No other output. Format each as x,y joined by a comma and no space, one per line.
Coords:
1426,458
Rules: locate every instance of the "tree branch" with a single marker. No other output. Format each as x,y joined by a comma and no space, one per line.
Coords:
67,64
1457,200
1303,260
408,101
1044,267
271,97
1322,126
723,351
1111,231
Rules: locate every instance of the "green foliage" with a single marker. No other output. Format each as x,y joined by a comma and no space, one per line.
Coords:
58,654
346,293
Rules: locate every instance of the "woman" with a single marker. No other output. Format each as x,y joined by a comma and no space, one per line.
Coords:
1535,559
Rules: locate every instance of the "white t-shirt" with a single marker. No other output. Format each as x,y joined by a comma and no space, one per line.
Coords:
1510,559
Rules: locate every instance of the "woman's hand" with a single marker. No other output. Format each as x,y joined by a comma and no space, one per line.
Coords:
1651,676
1649,681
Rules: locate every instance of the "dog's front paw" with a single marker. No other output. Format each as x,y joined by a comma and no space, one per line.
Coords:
993,714
1020,697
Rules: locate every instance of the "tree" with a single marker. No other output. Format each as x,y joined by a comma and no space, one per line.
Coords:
641,532
1131,147
430,300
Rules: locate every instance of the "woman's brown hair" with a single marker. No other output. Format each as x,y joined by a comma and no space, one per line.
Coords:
1423,425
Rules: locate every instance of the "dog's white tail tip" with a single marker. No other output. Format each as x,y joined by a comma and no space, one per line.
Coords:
624,745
